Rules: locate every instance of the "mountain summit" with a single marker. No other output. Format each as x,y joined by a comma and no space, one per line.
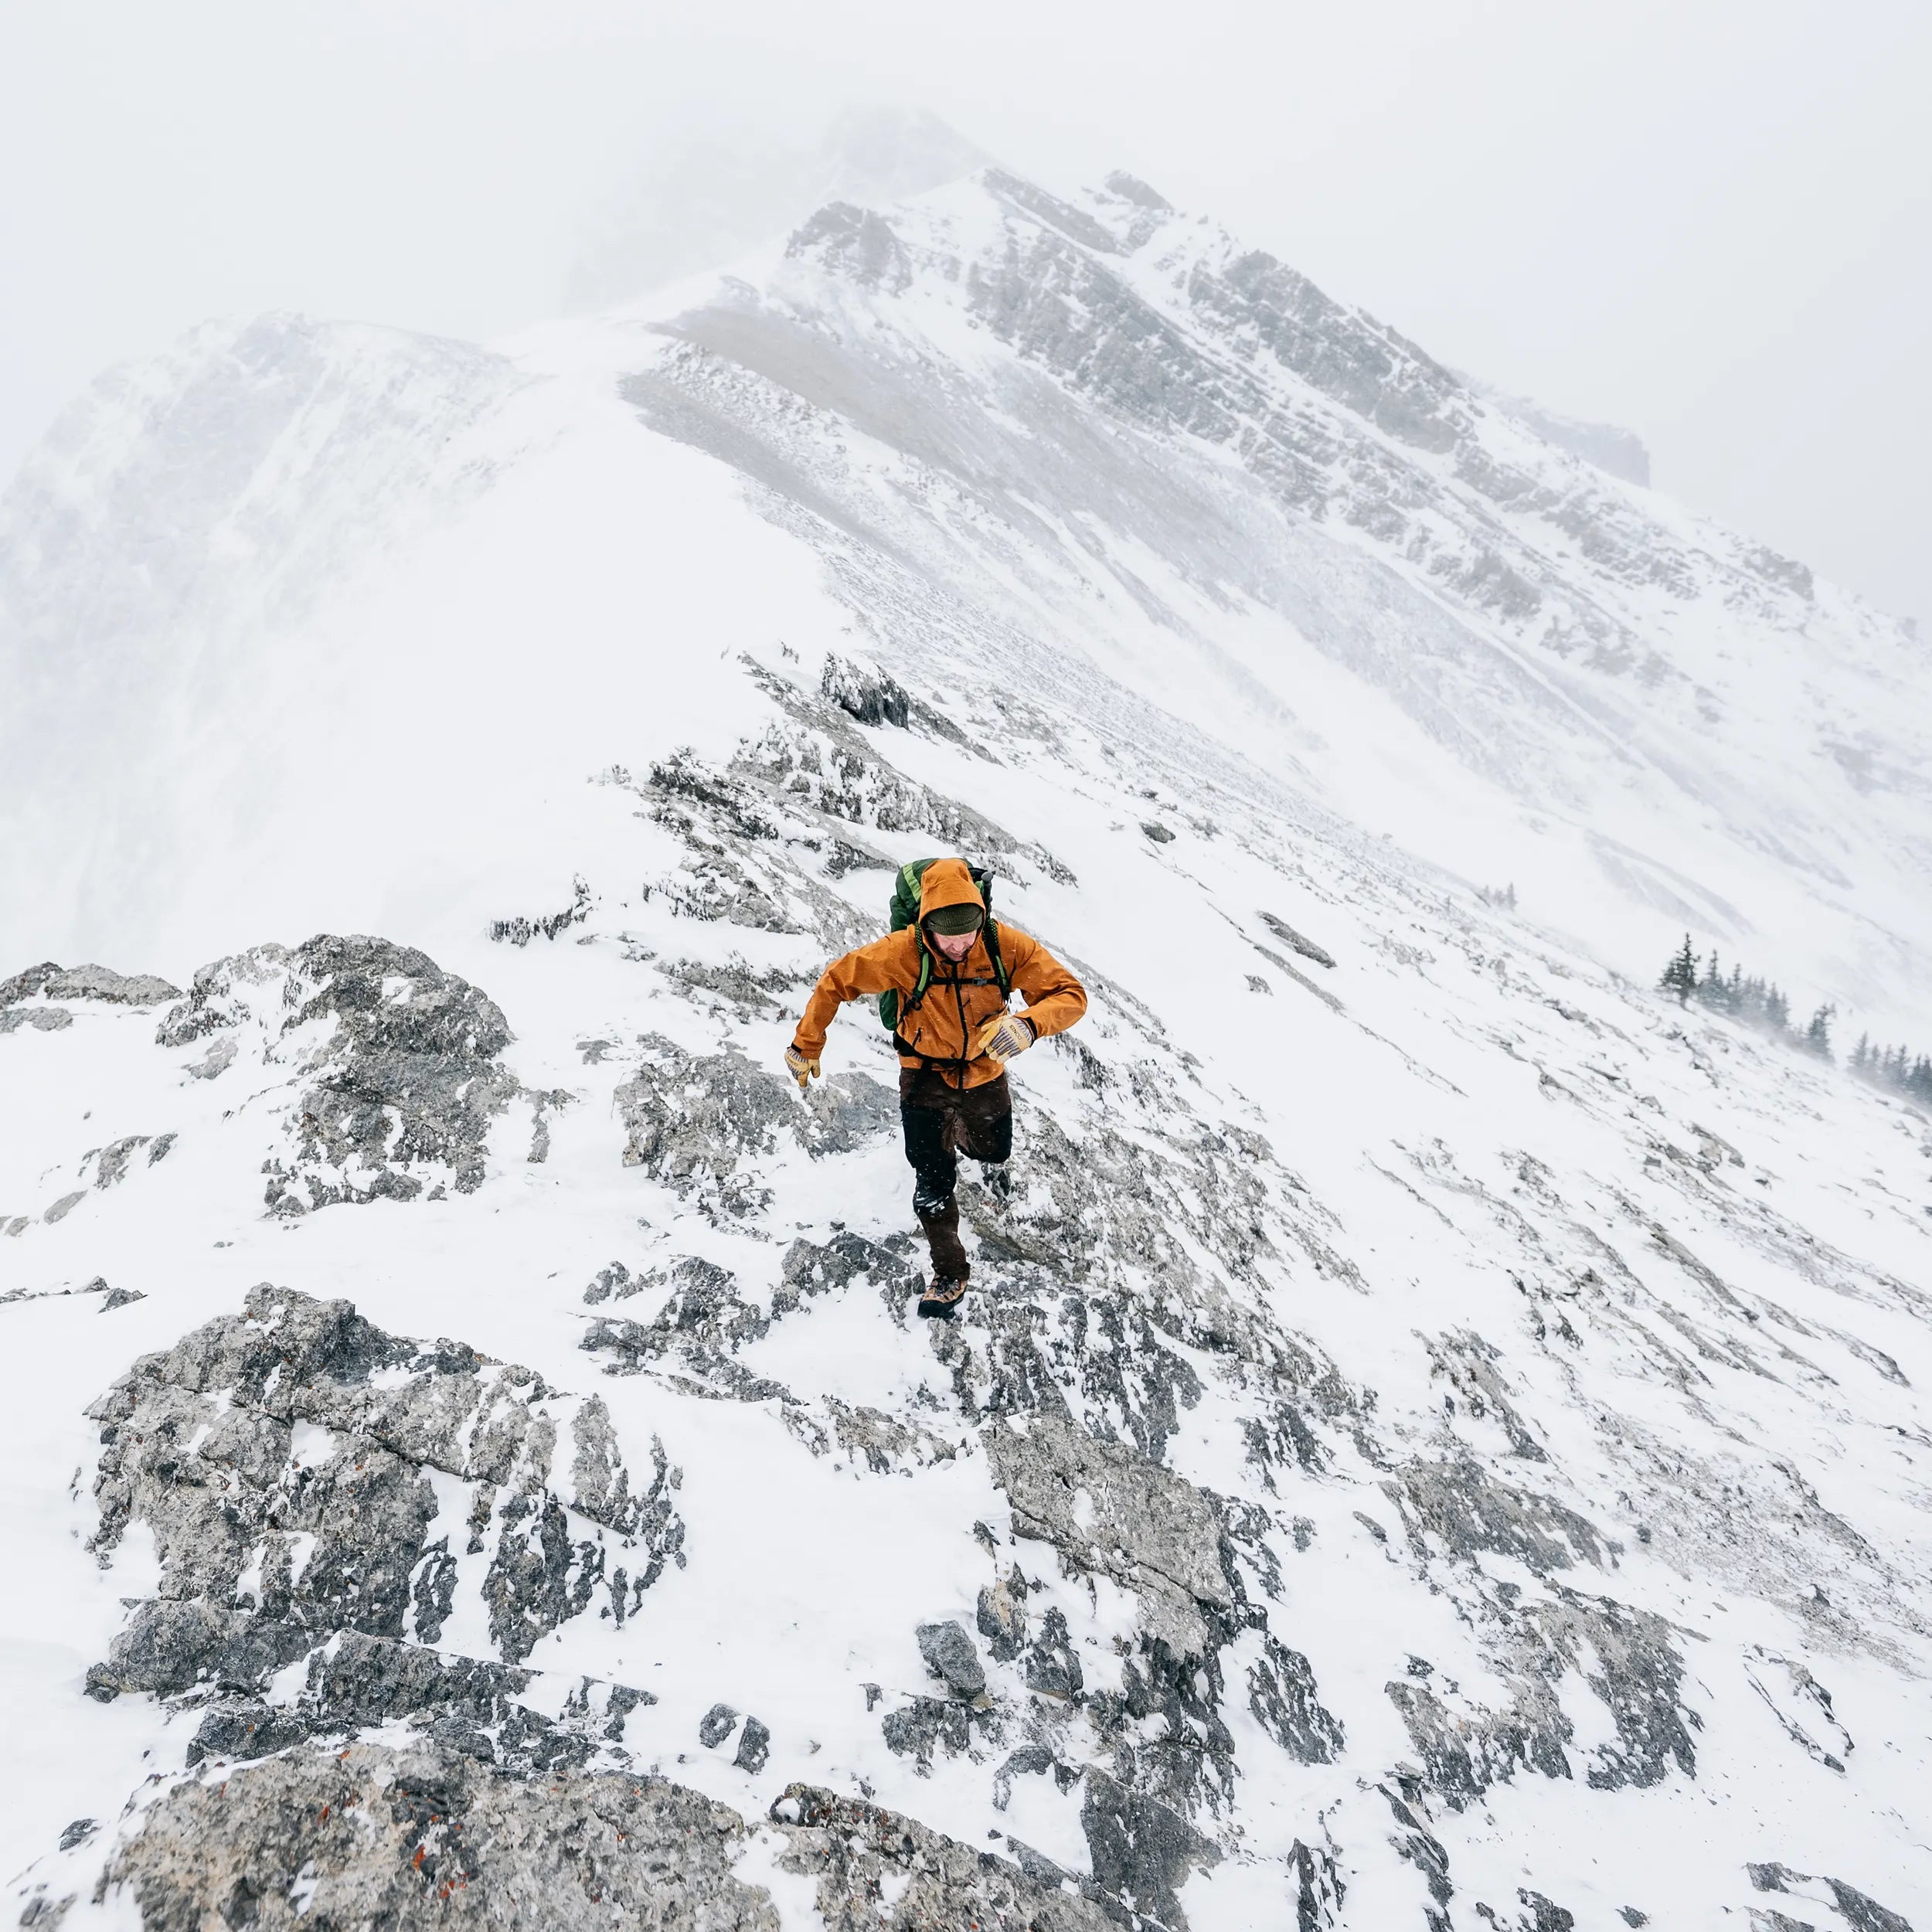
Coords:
1436,1435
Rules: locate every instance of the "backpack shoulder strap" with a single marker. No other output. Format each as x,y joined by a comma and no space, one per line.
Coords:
991,935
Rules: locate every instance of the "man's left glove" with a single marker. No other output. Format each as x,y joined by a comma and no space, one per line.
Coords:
1001,1038
801,1069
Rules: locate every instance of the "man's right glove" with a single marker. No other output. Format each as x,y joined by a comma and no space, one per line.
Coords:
801,1069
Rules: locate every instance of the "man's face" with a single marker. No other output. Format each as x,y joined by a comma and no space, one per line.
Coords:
954,946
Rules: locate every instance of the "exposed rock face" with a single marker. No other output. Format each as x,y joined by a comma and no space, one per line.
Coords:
51,982
314,1489
1106,1508
425,1837
950,1655
401,1063
699,1122
1628,1658
421,1837
105,1167
875,1867
42,1019
1493,1342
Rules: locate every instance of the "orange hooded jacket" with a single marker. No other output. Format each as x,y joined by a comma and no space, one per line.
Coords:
959,999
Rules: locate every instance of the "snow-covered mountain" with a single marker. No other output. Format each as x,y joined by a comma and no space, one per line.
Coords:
1436,1437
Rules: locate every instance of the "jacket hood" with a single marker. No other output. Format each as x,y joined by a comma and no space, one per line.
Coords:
947,881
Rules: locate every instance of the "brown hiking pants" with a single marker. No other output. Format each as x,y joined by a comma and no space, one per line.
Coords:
941,1123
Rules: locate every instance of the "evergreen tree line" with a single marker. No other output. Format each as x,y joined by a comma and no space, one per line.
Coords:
1897,1067
1759,1003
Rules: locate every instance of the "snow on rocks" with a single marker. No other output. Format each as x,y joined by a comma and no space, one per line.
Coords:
51,982
30,998
421,1836
327,1502
700,1122
1106,1507
400,1061
1400,1446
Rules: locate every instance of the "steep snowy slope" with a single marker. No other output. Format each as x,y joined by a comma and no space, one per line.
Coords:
1436,1438
1189,455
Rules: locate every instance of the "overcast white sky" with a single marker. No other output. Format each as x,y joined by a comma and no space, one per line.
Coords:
1708,219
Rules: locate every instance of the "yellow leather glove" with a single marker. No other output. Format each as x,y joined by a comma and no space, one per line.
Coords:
1003,1036
801,1069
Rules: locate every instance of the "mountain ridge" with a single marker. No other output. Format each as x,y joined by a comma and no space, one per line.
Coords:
1436,1438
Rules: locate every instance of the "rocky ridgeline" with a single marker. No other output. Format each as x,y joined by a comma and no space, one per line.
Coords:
1170,323
396,1065
329,1503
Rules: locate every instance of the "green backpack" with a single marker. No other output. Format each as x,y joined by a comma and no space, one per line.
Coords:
904,912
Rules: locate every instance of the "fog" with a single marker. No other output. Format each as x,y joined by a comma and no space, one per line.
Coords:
1708,220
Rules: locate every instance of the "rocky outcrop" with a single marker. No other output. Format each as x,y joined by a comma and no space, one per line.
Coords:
418,1836
1106,1508
701,1123
324,1495
49,981
873,1867
398,1062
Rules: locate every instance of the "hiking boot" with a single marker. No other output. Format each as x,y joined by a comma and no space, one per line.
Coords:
938,1302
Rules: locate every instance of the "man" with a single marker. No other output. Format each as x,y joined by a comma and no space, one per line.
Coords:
954,1040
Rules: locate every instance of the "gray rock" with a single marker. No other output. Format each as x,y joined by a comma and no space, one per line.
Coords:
1469,1510
200,1445
809,1269
1628,1658
404,1079
120,1298
703,1321
850,1849
857,244
1142,1851
49,981
221,995
923,1726
699,1122
950,1656
1053,1666
848,1110
427,1837
1542,1914
1862,1913
217,1060
1306,947
754,1747
616,1279
1140,1524
696,1122
1001,1617
715,1725
1281,1695
1318,1889
42,1019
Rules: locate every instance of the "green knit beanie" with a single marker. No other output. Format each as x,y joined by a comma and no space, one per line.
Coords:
949,921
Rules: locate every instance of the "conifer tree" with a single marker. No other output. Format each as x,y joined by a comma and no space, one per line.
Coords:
1817,1036
1680,976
